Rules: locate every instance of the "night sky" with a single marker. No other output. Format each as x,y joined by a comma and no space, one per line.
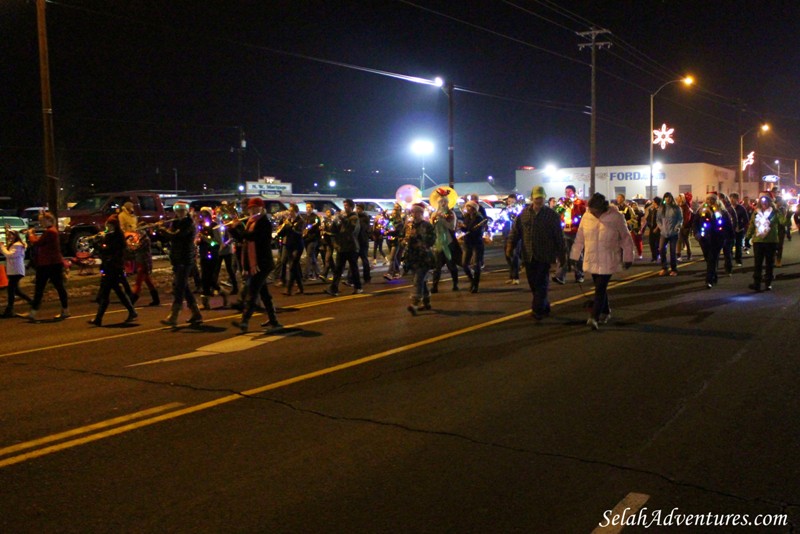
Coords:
143,87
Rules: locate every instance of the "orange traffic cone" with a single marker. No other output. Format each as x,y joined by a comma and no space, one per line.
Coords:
3,277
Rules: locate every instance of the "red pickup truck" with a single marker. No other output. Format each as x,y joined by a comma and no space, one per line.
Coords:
88,216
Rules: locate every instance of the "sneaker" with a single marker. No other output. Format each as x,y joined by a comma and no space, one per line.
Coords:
755,287
673,273
590,322
357,291
387,276
272,325
426,306
579,279
516,281
241,325
769,287
412,310
739,264
330,292
662,272
397,276
63,315
709,285
604,317
559,281
509,281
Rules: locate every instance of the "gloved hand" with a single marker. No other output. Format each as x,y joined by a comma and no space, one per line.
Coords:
627,265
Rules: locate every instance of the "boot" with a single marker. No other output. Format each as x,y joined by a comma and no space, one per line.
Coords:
101,310
196,318
205,303
156,301
172,318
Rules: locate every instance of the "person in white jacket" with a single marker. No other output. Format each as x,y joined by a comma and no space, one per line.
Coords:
607,248
14,251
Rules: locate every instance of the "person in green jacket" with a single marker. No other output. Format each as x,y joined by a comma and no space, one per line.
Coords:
763,230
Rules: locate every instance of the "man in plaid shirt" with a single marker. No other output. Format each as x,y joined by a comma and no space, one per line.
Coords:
539,228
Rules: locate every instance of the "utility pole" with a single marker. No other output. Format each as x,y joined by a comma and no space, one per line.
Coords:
239,150
451,149
51,180
593,33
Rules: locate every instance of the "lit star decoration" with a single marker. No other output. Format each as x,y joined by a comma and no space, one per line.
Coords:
663,136
749,160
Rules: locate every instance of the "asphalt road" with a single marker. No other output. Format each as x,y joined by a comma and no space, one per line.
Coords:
359,417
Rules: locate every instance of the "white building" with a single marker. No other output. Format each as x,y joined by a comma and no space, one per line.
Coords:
634,180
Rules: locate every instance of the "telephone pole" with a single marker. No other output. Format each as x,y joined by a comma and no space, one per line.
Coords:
593,33
51,180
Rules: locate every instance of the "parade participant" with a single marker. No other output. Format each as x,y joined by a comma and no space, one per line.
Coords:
446,250
363,241
712,226
763,230
291,232
227,249
49,265
181,234
727,243
378,235
684,202
473,227
394,238
631,219
608,248
508,215
257,263
750,206
346,228
311,238
279,272
783,211
143,260
539,229
636,227
741,223
111,246
476,199
326,245
651,225
14,251
571,208
418,240
210,242
669,219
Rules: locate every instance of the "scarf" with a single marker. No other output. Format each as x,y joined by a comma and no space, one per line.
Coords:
252,256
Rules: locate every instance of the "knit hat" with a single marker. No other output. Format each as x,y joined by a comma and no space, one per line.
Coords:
472,204
538,192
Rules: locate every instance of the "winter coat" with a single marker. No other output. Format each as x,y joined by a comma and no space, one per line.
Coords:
764,226
605,242
712,224
669,219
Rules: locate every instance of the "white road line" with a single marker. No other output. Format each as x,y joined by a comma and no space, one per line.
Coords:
628,506
238,343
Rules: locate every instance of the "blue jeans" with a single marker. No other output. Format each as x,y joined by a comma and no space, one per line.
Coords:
673,246
569,240
538,279
421,292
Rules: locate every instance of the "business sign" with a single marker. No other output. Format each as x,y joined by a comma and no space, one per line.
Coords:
635,175
771,178
268,190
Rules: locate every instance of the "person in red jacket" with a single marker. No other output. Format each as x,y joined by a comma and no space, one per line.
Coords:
49,265
571,208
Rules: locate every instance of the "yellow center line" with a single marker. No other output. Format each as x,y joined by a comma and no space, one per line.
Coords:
86,429
276,385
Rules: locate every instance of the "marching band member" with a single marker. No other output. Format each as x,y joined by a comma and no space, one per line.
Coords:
326,245
378,235
363,241
763,230
446,249
507,217
143,261
14,251
394,238
210,242
49,265
257,263
227,249
571,208
291,232
473,226
181,233
112,247
345,240
418,241
712,226
311,238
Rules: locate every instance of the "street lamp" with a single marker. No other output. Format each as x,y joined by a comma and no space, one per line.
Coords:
422,148
448,87
763,128
688,80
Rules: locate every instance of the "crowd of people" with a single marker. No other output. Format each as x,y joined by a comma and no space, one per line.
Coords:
597,237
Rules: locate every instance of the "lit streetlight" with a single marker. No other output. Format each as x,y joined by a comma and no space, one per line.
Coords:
688,80
763,128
